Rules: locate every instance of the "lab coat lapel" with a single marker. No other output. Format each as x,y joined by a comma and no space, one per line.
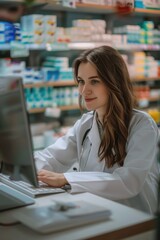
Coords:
93,162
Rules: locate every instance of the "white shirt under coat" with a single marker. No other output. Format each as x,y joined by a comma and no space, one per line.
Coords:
134,184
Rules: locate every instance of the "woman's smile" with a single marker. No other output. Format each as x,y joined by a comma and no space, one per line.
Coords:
90,99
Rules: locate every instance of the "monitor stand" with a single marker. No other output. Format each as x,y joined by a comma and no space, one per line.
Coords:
11,198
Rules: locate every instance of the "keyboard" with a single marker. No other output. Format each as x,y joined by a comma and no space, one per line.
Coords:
28,189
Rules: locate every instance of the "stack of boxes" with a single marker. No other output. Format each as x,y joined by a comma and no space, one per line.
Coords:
8,32
144,33
84,30
144,66
38,29
56,68
50,23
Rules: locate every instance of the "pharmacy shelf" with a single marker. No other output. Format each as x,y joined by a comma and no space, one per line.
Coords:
125,47
150,99
83,46
111,9
72,83
79,7
142,79
95,8
154,99
106,9
62,108
72,107
50,84
47,47
147,11
137,47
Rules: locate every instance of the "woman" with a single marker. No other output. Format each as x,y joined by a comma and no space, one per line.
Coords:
114,144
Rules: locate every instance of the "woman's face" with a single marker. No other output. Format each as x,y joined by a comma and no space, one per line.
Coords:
92,88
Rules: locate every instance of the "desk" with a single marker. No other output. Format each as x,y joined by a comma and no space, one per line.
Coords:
124,222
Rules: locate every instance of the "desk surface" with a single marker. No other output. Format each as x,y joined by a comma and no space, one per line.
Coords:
124,222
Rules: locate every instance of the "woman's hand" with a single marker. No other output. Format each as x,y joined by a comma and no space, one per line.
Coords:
51,178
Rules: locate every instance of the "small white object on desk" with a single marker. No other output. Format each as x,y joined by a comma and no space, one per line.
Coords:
61,215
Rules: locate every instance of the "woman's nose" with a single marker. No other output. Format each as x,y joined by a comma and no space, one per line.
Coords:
86,89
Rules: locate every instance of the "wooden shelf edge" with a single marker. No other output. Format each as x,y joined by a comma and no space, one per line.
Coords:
62,108
71,107
97,8
94,6
150,11
113,8
150,99
145,79
50,84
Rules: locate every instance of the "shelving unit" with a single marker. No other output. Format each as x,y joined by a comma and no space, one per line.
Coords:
83,46
105,12
94,8
72,83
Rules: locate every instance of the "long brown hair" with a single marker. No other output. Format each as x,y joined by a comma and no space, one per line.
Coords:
113,71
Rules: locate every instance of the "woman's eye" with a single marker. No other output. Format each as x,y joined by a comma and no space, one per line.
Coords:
94,81
80,82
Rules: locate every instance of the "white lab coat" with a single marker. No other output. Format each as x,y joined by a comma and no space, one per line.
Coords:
134,184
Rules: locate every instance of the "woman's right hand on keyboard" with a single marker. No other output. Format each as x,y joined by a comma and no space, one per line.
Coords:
51,178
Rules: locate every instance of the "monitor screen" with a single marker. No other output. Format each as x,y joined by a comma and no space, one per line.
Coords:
16,152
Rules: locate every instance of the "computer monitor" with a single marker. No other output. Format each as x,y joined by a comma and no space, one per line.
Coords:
16,152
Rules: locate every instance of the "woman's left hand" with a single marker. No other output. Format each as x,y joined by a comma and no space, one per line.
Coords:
51,178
